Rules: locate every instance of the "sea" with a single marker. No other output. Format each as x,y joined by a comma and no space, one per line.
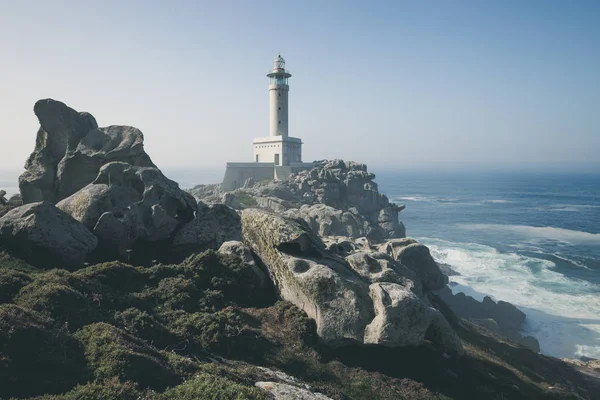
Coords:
529,239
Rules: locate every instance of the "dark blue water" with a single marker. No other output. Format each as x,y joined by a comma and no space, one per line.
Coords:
531,239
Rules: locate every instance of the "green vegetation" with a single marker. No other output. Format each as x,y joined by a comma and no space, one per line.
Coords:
114,331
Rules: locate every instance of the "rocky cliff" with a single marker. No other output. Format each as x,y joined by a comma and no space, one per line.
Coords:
301,289
336,198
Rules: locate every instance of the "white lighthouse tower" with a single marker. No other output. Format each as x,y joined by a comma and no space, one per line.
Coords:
278,148
278,155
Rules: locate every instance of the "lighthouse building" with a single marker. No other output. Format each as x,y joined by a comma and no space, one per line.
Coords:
278,155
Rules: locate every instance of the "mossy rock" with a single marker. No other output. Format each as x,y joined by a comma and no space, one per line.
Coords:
112,352
209,387
36,356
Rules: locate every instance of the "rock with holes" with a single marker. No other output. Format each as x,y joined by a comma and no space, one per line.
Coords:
70,149
366,297
308,276
126,204
380,267
45,236
328,221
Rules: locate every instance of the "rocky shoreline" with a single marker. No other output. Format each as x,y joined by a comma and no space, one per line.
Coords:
326,243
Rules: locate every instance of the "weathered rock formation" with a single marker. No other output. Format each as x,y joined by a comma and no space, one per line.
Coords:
502,317
126,204
46,236
213,226
70,148
367,297
336,198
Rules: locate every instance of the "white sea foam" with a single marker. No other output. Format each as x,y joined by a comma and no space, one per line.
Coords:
562,313
570,207
450,200
543,233
497,201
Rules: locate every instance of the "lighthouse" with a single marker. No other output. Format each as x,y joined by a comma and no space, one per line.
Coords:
278,155
278,148
278,98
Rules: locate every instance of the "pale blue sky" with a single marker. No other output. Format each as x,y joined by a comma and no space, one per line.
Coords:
422,84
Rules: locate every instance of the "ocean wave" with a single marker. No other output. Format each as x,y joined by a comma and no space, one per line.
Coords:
571,207
544,233
450,200
426,199
562,312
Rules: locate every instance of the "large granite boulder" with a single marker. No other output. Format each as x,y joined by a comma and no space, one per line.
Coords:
100,146
418,258
45,236
403,319
126,204
213,226
70,149
304,274
365,298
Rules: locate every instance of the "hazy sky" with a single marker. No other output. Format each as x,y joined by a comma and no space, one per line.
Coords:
421,84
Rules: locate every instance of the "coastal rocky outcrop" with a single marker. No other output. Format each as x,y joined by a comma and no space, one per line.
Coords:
336,198
46,236
103,178
367,297
126,204
500,317
312,277
70,149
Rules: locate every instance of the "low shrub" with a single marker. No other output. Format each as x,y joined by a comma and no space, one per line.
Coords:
215,332
11,282
209,387
62,296
36,355
110,389
145,326
118,276
173,294
112,352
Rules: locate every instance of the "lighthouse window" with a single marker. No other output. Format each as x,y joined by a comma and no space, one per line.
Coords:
279,122
279,108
